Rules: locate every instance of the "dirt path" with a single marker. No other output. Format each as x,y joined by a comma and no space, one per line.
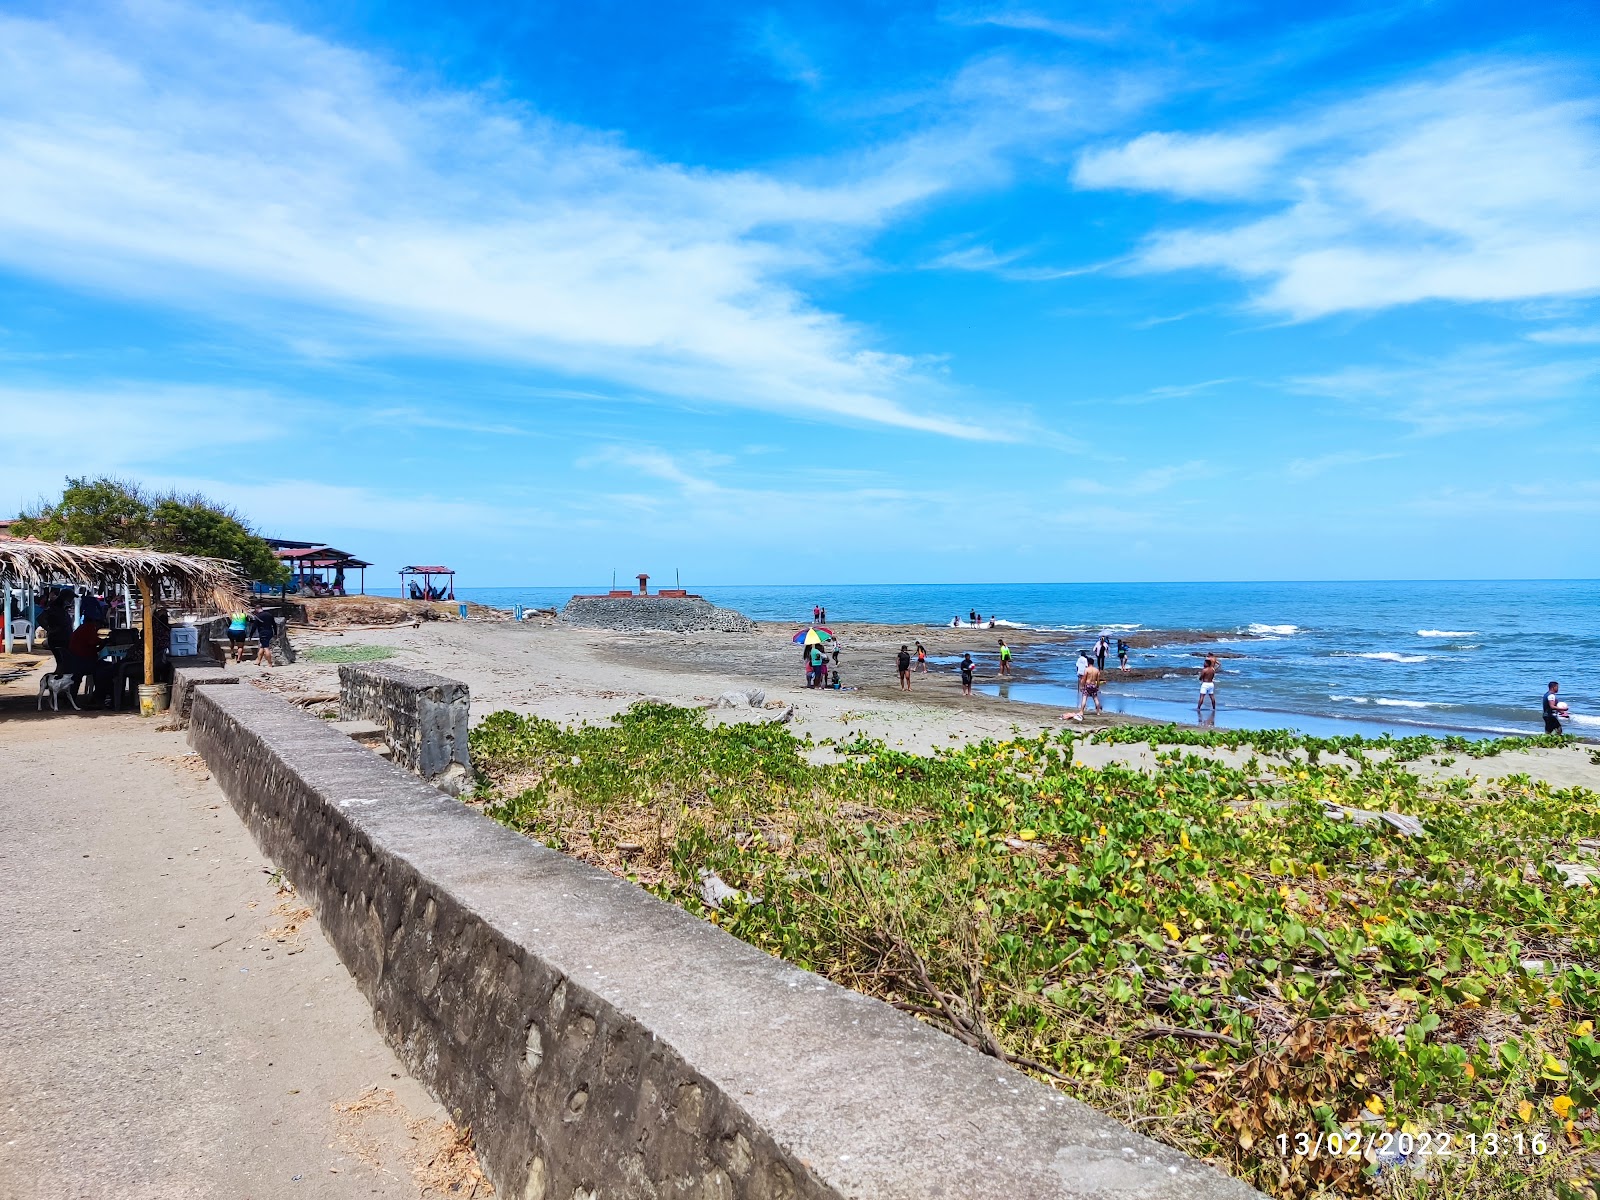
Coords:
155,1040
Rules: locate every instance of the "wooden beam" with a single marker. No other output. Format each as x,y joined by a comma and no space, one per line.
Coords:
149,632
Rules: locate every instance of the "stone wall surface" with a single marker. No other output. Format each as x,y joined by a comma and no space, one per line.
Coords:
424,717
674,614
186,678
602,1043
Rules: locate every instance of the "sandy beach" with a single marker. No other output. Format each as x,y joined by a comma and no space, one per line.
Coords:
570,674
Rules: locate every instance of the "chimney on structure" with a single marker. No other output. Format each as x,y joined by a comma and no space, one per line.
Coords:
644,581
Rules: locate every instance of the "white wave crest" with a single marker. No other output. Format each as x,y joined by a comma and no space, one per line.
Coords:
1351,699
1387,656
1282,629
1578,719
1447,633
1388,703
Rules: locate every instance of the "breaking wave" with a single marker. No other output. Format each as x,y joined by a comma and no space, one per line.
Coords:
1447,633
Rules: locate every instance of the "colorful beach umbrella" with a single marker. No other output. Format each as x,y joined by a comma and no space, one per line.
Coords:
810,637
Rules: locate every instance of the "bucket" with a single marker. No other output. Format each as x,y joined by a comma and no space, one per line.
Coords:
154,698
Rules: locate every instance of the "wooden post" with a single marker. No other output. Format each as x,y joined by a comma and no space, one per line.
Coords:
149,632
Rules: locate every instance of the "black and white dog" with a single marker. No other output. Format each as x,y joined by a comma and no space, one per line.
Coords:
57,686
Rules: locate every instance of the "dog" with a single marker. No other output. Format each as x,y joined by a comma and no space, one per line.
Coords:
56,686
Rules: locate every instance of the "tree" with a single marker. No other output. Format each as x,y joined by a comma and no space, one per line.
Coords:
118,512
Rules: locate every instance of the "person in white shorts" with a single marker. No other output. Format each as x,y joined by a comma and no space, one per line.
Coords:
1083,669
1208,684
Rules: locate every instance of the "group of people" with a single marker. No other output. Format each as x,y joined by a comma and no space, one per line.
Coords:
967,666
79,651
822,666
974,618
261,625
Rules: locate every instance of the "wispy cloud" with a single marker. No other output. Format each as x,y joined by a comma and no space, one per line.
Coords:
1010,265
210,161
1201,166
1568,335
1479,186
1340,460
1475,389
1143,483
1035,22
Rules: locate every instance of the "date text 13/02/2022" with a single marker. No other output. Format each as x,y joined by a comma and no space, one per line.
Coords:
1390,1144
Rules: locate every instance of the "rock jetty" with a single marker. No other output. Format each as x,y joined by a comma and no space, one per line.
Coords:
670,614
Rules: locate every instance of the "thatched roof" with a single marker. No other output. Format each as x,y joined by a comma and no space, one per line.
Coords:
201,582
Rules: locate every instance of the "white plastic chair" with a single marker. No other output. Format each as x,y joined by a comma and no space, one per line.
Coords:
21,630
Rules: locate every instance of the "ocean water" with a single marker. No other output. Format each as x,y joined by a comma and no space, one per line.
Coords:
1407,657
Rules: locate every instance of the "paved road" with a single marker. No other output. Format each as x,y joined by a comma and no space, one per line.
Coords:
153,1042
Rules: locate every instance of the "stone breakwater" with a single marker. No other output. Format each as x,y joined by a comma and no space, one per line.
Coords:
668,614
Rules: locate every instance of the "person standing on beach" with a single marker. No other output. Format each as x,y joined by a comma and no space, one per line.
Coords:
1005,658
903,665
1101,648
1090,691
967,666
1122,654
819,666
1083,669
922,660
822,616
1208,684
1554,710
266,623
816,614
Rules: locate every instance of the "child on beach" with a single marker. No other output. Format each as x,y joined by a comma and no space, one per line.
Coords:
903,665
922,660
966,674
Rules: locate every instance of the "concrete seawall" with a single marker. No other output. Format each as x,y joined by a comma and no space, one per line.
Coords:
602,1043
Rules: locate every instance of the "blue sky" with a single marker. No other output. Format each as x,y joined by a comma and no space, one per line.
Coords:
819,293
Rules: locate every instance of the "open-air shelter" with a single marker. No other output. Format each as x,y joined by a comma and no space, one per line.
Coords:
313,562
28,566
426,574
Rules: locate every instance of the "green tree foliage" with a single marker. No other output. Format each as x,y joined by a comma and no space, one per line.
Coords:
118,512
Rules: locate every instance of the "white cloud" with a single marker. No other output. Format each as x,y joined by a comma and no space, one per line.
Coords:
255,174
1483,186
1475,389
1206,166
1568,335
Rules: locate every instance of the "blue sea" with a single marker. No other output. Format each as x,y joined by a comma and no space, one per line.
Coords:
1403,657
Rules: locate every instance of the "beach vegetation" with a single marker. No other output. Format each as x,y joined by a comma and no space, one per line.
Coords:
347,654
1219,956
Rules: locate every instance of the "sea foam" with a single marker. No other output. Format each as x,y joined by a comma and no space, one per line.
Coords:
1447,633
1282,629
1387,656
